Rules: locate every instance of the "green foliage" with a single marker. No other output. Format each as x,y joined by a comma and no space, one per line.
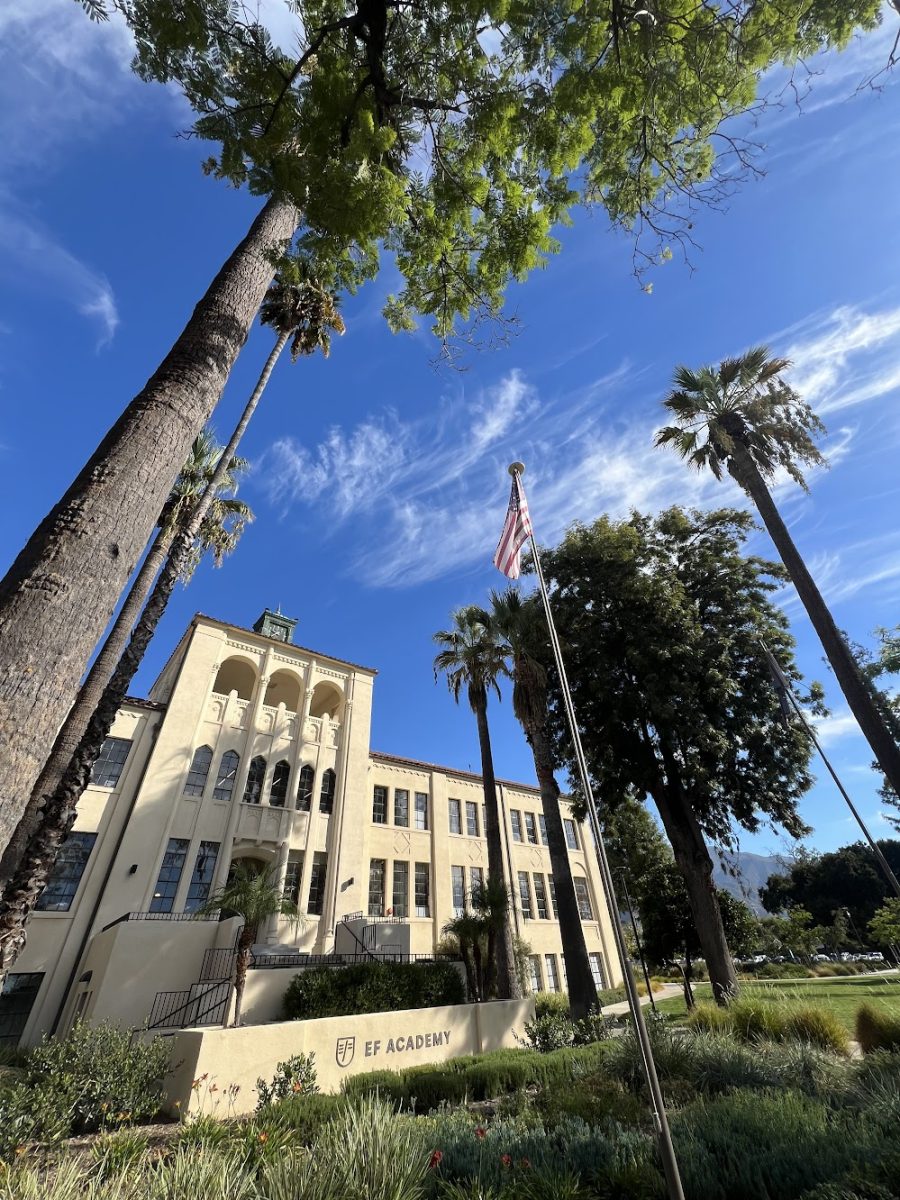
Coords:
551,1004
372,987
752,1017
296,1076
667,923
113,1154
884,926
877,1029
301,1114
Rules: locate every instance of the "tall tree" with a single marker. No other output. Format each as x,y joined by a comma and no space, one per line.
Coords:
520,626
744,418
472,660
660,619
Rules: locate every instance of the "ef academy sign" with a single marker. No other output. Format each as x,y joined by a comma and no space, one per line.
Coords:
345,1047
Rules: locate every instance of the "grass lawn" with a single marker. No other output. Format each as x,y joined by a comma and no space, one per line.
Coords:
843,994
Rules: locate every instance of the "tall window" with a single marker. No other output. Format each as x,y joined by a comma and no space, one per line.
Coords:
597,971
534,972
255,778
201,879
525,894
471,818
400,898
317,884
531,828
421,810
542,823
111,763
200,764
571,835
17,999
326,795
582,895
231,760
377,872
423,891
552,973
562,969
292,877
305,788
281,777
458,885
540,898
516,819
169,875
62,884
379,805
401,807
551,887
476,880
455,816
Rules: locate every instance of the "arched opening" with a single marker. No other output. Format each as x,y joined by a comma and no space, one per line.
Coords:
235,675
326,796
326,701
255,779
281,777
305,788
284,688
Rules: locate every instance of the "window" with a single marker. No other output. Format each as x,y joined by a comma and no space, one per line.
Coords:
80,1007
281,777
200,764
16,1002
455,816
540,898
525,894
476,880
379,805
534,972
516,819
597,971
66,873
377,872
552,973
542,824
471,818
421,810
551,886
305,788
400,898
317,884
326,795
292,878
531,828
571,835
562,968
255,778
169,875
423,902
231,760
109,766
458,884
584,899
401,807
201,880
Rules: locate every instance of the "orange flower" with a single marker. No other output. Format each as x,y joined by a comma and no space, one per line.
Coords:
435,1160
481,1133
506,1160
263,1137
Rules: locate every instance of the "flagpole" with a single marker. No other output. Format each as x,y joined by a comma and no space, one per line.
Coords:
660,1120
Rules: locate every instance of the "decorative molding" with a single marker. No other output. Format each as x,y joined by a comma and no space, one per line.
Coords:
255,650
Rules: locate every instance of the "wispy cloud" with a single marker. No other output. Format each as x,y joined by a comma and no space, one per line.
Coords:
836,727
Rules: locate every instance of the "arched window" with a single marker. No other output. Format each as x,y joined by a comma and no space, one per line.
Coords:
231,760
281,777
255,777
326,796
284,688
196,780
305,789
235,675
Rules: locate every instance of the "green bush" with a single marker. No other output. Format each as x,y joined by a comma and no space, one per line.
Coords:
551,1004
788,970
293,1077
549,1031
372,987
303,1115
754,1018
877,1029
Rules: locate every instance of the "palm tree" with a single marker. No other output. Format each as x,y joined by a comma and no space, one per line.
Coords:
518,623
255,896
743,417
468,932
471,659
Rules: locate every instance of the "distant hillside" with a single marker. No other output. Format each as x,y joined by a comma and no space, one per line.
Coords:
752,872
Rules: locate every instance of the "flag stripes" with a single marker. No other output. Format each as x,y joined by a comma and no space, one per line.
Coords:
516,532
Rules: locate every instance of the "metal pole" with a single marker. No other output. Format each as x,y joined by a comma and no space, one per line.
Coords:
781,678
637,942
660,1120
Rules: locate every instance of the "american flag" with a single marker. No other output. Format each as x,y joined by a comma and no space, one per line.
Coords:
516,532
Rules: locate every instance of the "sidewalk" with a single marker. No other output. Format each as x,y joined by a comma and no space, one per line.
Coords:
620,1009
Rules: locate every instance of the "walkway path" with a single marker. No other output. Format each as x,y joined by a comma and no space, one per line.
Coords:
620,1009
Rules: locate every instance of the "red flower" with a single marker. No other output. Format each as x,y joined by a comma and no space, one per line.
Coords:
506,1160
481,1133
435,1160
526,1162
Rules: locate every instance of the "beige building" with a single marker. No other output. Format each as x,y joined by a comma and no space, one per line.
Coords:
249,747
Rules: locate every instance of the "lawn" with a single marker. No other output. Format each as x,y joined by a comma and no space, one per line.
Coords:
843,995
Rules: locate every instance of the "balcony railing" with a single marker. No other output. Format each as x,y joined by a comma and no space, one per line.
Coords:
160,916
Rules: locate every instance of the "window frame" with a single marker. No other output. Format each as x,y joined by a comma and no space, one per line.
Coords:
525,895
531,830
317,879
305,791
256,779
472,819
197,778
293,878
421,810
110,778
327,790
458,890
377,875
401,869
199,884
230,777
379,804
551,970
278,799
540,897
422,910
583,898
515,821
571,832
401,808
62,886
179,858
454,806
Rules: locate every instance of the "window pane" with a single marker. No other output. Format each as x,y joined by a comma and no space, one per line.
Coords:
551,884
401,807
582,895
62,883
111,762
540,898
423,901
552,975
169,875
476,876
201,880
196,780
400,897
305,788
571,835
377,872
455,816
292,878
17,999
458,884
255,777
281,777
225,779
531,828
516,819
597,971
534,971
471,818
542,824
379,805
421,810
317,884
525,893
326,795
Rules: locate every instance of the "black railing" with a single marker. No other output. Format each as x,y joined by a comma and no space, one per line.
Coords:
287,961
179,1010
354,916
160,916
218,963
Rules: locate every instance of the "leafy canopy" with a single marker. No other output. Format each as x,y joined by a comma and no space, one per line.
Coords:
884,927
667,924
471,657
300,304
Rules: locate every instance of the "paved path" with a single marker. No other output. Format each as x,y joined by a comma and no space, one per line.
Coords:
621,1008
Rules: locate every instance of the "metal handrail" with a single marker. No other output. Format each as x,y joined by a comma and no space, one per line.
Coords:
286,961
159,916
164,1020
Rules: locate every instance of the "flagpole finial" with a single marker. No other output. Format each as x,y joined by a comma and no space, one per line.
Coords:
516,468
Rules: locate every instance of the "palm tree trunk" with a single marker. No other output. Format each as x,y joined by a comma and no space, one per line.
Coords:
57,597
579,980
241,962
22,891
507,980
850,678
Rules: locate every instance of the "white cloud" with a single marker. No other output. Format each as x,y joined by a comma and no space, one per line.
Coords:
836,727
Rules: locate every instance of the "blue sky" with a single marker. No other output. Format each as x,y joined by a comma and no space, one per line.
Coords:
379,478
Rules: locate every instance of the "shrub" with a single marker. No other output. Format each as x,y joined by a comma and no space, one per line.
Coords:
550,1031
551,1004
302,1115
877,1029
112,1154
752,1018
294,1076
372,987
786,970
